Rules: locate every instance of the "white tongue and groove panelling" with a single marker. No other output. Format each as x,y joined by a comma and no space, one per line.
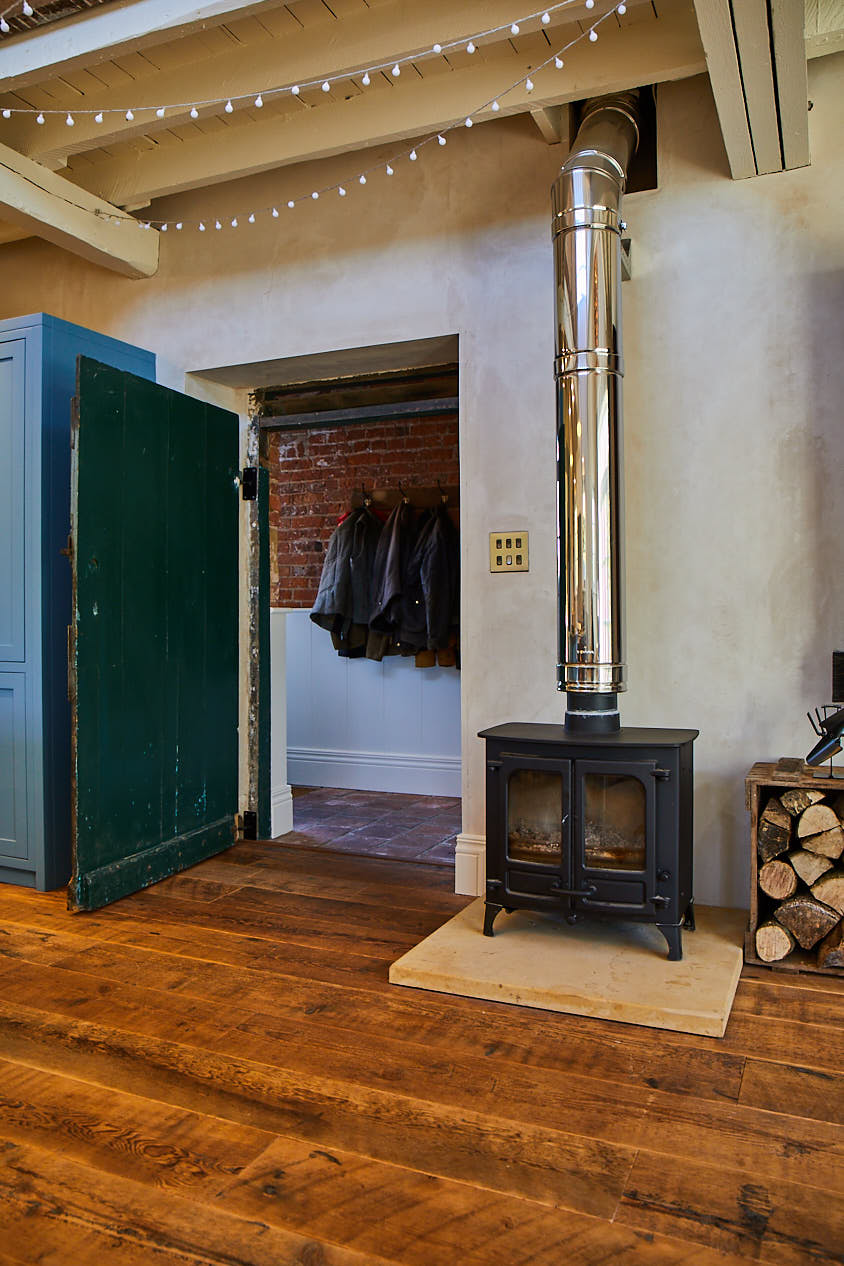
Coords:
370,726
756,58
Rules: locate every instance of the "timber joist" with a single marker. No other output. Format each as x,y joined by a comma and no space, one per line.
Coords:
756,58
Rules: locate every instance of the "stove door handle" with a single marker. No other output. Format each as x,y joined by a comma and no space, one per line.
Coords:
559,891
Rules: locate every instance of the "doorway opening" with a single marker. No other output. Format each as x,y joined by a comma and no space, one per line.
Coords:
363,460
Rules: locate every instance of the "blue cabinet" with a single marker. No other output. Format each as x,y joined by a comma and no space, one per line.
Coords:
37,384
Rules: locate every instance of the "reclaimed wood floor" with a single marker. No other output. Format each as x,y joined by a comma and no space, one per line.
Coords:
216,1071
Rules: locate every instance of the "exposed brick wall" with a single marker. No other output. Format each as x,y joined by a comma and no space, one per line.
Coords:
314,473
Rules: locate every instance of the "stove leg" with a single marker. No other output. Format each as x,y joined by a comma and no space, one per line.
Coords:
673,936
490,913
689,921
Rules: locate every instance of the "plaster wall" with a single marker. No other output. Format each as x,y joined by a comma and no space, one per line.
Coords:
733,394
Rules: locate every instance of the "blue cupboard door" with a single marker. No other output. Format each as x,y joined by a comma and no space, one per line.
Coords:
12,501
13,825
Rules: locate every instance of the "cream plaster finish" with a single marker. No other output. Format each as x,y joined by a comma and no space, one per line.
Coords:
732,405
613,971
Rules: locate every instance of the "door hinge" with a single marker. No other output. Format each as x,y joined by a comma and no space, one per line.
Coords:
249,483
250,825
662,774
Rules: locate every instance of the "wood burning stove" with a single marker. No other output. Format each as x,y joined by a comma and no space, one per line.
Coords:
591,823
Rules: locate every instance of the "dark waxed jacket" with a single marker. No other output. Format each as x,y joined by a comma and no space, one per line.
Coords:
344,599
389,580
439,573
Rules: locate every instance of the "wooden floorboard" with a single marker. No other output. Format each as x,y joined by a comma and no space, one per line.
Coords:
217,1071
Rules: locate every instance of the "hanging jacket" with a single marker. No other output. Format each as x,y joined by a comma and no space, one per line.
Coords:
389,581
344,598
439,572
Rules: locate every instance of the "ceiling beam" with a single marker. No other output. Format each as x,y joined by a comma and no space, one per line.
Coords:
824,27
112,31
40,202
715,20
552,123
792,80
410,108
750,21
373,36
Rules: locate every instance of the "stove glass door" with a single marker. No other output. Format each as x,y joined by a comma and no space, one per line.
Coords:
616,832
534,817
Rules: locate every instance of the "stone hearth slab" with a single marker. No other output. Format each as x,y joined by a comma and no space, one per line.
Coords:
610,970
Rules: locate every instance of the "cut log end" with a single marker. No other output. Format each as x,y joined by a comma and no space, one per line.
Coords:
809,866
828,844
830,890
778,880
773,942
816,819
798,799
808,919
831,949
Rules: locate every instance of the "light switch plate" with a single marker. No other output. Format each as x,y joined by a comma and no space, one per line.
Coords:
508,551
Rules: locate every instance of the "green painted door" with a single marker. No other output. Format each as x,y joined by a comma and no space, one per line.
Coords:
154,644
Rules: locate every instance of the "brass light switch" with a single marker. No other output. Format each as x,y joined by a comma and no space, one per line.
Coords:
508,551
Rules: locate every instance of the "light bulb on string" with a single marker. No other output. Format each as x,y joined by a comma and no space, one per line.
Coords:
389,170
194,113
28,9
178,225
326,86
495,107
315,195
528,84
251,217
69,120
229,107
470,47
98,118
295,90
546,18
201,227
129,116
593,35
396,71
259,101
441,140
4,26
341,191
217,224
366,81
164,228
468,121
590,4
438,48
514,29
159,114
622,9
39,118
291,204
559,63
413,156
7,114
234,222
362,179
275,213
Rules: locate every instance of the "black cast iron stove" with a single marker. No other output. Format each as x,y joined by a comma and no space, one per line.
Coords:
596,823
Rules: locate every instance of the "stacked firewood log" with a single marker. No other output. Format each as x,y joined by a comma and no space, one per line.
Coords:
801,871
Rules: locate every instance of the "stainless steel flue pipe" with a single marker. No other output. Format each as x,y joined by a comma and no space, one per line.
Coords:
586,200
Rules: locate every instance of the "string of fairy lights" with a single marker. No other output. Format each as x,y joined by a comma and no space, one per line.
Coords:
393,66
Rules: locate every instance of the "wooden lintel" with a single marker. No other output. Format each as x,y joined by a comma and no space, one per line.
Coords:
41,202
396,411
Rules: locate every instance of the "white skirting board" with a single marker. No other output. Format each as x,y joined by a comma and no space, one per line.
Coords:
470,865
374,771
281,810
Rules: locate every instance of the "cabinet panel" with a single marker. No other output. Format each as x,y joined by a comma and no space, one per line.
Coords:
11,501
13,828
